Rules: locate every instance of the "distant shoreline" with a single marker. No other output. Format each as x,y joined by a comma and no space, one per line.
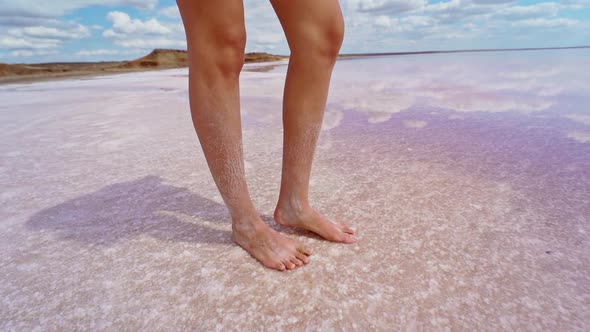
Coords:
465,51
156,60
169,59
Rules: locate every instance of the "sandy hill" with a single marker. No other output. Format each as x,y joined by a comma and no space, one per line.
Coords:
165,58
157,59
12,70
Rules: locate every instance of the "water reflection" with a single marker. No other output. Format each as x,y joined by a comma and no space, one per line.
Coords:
466,177
528,83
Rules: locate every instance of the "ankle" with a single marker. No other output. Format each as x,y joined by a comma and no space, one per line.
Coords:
247,221
292,204
243,213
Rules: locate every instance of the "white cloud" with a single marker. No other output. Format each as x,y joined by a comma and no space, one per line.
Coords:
145,34
263,28
375,99
97,52
170,12
123,25
580,136
524,12
151,43
457,10
371,25
416,124
28,41
456,24
58,8
546,23
105,52
13,43
19,21
581,118
30,53
332,119
387,6
74,32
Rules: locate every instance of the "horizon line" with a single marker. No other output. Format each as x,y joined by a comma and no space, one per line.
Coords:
468,50
482,50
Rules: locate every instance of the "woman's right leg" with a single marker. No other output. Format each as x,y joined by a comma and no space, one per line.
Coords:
216,39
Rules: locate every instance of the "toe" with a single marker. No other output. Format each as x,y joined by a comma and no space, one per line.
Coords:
346,229
304,250
277,266
348,238
302,257
338,235
274,263
296,261
288,264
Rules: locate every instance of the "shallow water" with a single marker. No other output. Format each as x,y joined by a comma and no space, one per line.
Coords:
466,176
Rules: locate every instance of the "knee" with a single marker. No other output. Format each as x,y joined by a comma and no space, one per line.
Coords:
220,51
333,37
322,40
230,45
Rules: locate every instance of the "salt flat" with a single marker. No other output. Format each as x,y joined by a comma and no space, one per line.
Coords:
466,177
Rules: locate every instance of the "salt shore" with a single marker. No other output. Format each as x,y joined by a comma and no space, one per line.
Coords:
466,177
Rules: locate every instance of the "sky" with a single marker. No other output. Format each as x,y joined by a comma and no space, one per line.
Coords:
92,30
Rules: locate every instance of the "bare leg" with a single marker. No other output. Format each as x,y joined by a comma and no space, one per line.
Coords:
216,39
314,31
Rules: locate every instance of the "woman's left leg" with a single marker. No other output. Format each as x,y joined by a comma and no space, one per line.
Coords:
314,31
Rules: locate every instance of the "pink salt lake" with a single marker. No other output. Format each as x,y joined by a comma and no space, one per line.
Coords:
466,176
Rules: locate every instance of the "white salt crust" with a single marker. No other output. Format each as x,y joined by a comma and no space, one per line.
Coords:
465,176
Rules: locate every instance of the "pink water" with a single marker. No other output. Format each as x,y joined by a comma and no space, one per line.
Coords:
466,176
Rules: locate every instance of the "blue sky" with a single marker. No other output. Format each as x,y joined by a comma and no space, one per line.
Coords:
91,30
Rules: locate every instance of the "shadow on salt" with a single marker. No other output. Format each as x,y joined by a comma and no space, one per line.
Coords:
142,207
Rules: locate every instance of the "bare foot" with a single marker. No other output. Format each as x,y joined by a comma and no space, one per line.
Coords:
268,246
303,216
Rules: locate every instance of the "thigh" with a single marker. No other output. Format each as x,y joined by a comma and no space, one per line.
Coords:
307,20
212,20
